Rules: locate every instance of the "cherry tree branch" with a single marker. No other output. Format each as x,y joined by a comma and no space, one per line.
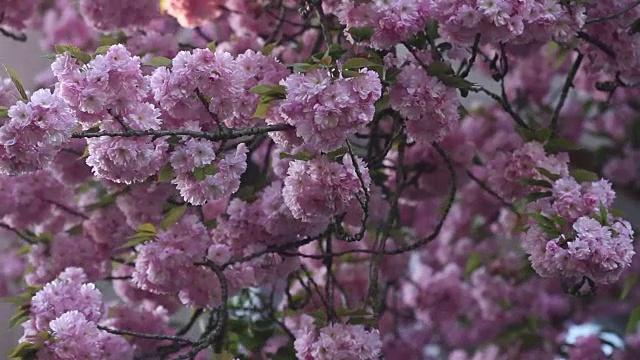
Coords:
213,136
568,84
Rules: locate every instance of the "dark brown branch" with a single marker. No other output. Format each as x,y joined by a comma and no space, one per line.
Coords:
612,16
568,84
213,136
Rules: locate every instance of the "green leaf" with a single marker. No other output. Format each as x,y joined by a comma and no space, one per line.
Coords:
542,219
20,317
4,112
357,63
360,34
632,324
173,216
616,212
382,103
539,135
25,351
350,74
602,214
346,312
144,233
473,262
74,51
103,202
16,82
335,51
445,73
247,193
439,68
635,27
546,224
166,173
337,153
535,182
303,67
559,145
136,240
85,153
284,353
361,320
199,174
391,74
76,230
211,223
159,61
548,174
261,110
304,156
212,46
24,249
582,175
146,228
606,86
44,237
628,284
268,49
562,222
432,29
118,38
275,91
534,196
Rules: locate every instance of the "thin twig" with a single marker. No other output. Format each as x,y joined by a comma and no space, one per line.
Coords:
568,84
490,191
145,335
598,43
612,16
17,232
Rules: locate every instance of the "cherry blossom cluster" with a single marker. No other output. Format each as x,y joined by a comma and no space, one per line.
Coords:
16,14
338,341
319,189
64,318
429,107
35,133
392,22
325,111
589,241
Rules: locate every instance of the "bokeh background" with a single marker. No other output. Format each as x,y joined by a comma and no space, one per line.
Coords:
27,60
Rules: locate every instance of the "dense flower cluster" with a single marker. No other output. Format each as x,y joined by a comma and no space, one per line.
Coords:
338,341
430,107
326,111
588,241
36,132
107,15
506,169
319,189
523,22
16,13
392,21
225,81
222,184
69,311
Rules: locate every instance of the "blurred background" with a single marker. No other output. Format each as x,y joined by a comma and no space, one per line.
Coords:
26,59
